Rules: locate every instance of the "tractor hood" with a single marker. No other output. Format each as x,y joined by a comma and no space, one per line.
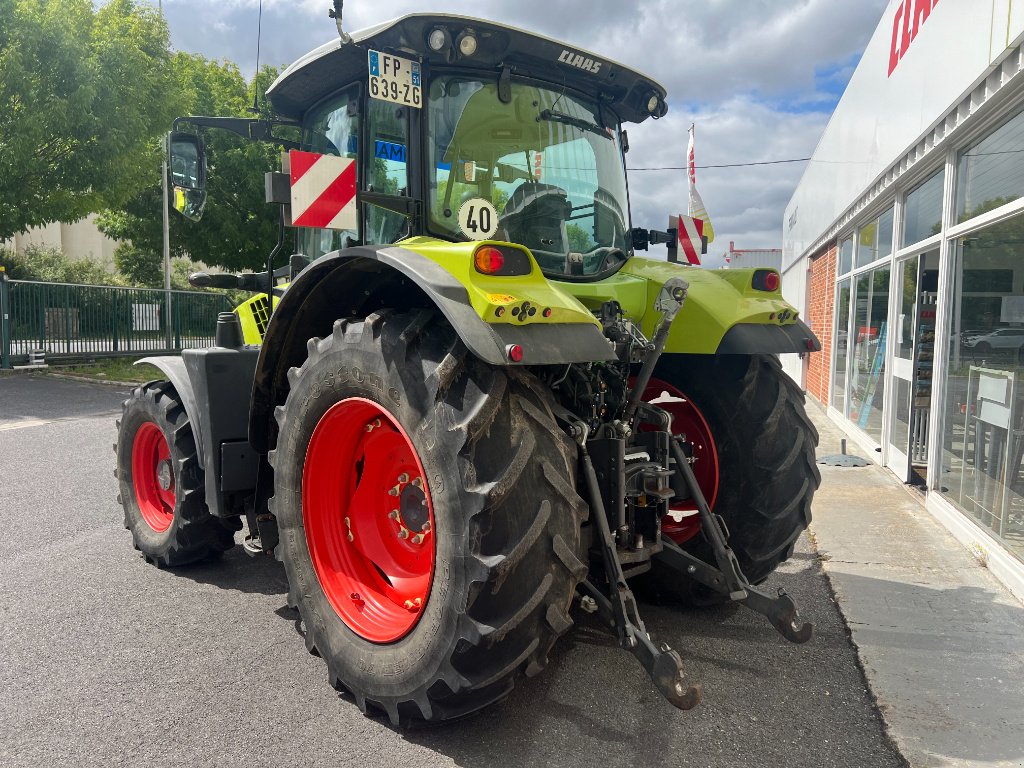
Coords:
628,93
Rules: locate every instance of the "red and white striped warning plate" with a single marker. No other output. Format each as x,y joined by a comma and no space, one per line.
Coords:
323,191
691,233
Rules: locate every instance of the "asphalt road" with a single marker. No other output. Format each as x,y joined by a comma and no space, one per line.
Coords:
108,661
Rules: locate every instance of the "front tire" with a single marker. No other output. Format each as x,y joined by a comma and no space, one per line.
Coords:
162,487
766,472
504,533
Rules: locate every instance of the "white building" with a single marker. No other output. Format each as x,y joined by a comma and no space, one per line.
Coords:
903,245
78,240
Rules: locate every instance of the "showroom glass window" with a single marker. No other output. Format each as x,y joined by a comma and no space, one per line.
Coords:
841,342
845,255
867,367
990,172
874,241
982,467
922,211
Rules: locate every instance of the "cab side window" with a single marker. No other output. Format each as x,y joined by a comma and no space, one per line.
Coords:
331,129
387,126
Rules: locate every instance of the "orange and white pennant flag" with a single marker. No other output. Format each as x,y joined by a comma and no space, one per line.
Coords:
696,209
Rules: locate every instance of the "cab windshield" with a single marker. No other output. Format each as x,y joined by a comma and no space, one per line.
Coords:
541,170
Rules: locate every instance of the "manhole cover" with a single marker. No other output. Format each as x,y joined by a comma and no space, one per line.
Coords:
843,460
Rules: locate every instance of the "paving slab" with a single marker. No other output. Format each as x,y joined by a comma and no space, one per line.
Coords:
941,641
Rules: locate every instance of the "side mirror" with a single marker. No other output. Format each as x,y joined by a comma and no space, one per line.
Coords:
186,164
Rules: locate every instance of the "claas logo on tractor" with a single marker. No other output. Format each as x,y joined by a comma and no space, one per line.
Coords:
462,406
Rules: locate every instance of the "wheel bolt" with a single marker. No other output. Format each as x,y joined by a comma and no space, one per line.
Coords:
417,539
426,527
403,533
394,514
351,537
394,491
413,605
356,598
418,482
373,425
403,478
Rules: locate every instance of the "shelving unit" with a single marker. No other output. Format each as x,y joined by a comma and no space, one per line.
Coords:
924,357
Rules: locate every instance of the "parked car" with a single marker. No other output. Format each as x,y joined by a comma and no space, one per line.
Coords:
1000,338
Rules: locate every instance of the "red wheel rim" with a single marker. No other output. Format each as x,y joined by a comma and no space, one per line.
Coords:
369,520
153,477
687,420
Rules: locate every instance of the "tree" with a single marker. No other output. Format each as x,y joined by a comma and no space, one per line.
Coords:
82,93
238,228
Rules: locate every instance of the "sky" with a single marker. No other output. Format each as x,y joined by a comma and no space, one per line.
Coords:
758,78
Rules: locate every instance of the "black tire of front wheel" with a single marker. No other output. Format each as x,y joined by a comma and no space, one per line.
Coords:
766,454
194,534
507,516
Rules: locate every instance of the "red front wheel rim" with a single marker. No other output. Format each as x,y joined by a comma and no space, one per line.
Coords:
369,520
153,477
689,421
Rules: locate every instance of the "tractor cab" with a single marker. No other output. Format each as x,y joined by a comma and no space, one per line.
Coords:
468,130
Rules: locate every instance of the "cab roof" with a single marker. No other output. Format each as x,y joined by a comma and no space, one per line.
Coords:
325,69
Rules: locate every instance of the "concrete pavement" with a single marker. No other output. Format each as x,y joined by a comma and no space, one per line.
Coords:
940,640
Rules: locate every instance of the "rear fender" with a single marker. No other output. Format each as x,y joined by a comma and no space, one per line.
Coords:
357,281
723,314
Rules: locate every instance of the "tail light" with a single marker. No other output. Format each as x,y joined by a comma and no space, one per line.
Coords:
765,280
501,260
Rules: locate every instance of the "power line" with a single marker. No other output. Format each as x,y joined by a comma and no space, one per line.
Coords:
802,160
725,165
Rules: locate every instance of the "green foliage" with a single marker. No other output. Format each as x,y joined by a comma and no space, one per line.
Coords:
83,92
52,265
139,267
580,240
238,228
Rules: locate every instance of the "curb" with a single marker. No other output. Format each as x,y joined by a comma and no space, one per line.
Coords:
90,380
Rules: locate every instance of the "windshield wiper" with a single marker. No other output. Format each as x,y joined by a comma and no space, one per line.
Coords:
575,122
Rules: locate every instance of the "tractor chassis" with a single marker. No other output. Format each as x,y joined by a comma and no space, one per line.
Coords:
619,544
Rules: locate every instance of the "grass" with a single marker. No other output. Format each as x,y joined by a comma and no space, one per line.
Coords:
112,369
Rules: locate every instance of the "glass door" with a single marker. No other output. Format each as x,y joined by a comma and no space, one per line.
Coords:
913,357
905,287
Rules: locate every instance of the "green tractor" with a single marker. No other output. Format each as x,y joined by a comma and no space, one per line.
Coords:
466,404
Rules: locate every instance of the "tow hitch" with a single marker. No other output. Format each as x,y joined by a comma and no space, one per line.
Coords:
614,599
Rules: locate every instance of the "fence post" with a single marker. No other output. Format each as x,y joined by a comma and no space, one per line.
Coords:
5,320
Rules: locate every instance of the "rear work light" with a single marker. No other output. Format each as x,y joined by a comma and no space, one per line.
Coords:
765,280
502,261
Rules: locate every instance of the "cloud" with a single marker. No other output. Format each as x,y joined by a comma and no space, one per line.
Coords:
759,78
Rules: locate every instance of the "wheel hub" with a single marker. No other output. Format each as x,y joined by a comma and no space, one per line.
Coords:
683,521
368,519
164,475
152,477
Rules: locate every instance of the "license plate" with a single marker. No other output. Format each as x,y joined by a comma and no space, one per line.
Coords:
395,79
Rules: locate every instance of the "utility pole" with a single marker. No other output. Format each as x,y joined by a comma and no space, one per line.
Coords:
167,237
167,250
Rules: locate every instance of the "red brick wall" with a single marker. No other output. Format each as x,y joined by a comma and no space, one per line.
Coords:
821,293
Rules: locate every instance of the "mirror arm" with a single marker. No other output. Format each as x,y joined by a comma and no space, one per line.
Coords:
254,130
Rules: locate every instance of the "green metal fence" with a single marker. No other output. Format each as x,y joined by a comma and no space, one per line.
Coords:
67,320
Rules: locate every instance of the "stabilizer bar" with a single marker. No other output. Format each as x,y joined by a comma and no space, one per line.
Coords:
728,578
619,607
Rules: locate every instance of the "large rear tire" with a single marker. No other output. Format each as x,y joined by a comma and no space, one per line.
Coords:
764,445
503,541
162,487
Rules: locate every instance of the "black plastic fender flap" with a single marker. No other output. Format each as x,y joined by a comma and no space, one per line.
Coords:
212,385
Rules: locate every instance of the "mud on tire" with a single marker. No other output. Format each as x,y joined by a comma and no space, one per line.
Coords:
767,470
170,526
507,516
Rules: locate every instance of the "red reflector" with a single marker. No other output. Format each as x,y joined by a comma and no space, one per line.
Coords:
771,281
515,353
489,260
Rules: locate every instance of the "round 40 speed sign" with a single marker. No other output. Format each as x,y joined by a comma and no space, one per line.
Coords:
478,219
